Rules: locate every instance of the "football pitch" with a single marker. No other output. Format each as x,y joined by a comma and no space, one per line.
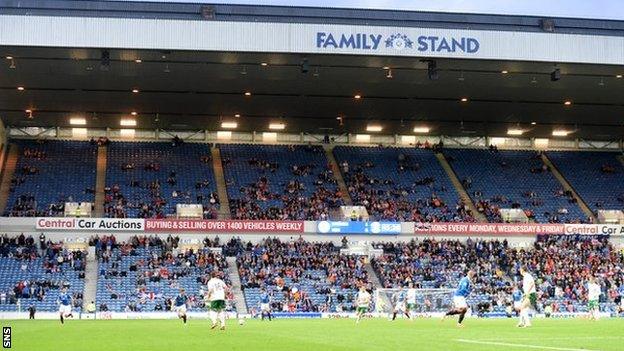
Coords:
317,334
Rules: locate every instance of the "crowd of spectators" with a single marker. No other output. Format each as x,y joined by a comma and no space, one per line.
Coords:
41,184
402,187
301,275
507,179
52,259
145,273
285,188
149,182
561,266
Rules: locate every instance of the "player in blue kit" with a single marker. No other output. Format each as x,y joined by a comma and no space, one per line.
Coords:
180,305
400,305
619,300
517,300
65,304
459,298
265,305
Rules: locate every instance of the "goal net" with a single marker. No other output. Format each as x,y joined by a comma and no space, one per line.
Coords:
428,301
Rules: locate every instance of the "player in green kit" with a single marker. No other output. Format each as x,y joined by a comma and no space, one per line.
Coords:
363,302
216,298
593,296
529,301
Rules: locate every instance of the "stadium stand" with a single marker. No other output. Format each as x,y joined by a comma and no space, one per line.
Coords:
401,184
285,182
50,173
596,176
513,179
32,274
148,180
146,273
300,276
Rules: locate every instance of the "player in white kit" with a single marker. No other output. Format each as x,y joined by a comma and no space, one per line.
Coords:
216,297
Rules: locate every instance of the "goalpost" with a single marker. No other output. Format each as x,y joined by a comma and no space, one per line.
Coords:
428,301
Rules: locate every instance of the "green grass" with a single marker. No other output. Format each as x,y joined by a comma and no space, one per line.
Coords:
316,334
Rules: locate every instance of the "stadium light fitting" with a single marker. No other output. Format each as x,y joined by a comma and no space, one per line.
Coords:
134,113
560,132
432,70
504,71
21,88
138,60
135,90
386,67
618,76
9,57
464,99
567,103
28,111
248,93
421,129
555,75
305,66
237,115
128,122
264,64
277,126
357,96
515,131
374,128
229,125
533,123
77,121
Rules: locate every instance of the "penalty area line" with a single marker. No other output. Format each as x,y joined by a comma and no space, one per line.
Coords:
520,345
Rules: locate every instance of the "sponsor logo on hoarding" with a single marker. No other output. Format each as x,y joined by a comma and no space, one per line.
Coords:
116,224
355,227
594,229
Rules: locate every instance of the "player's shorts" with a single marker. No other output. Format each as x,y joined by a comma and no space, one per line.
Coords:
362,309
265,307
460,302
532,297
592,304
217,305
400,307
180,309
411,306
65,309
517,305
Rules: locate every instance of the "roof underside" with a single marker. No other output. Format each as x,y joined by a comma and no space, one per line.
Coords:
197,90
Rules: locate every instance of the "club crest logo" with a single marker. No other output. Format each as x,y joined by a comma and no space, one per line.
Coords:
399,41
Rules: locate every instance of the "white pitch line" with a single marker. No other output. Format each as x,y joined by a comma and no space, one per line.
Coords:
520,345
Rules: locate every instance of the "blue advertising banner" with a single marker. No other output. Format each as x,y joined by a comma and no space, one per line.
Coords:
354,227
